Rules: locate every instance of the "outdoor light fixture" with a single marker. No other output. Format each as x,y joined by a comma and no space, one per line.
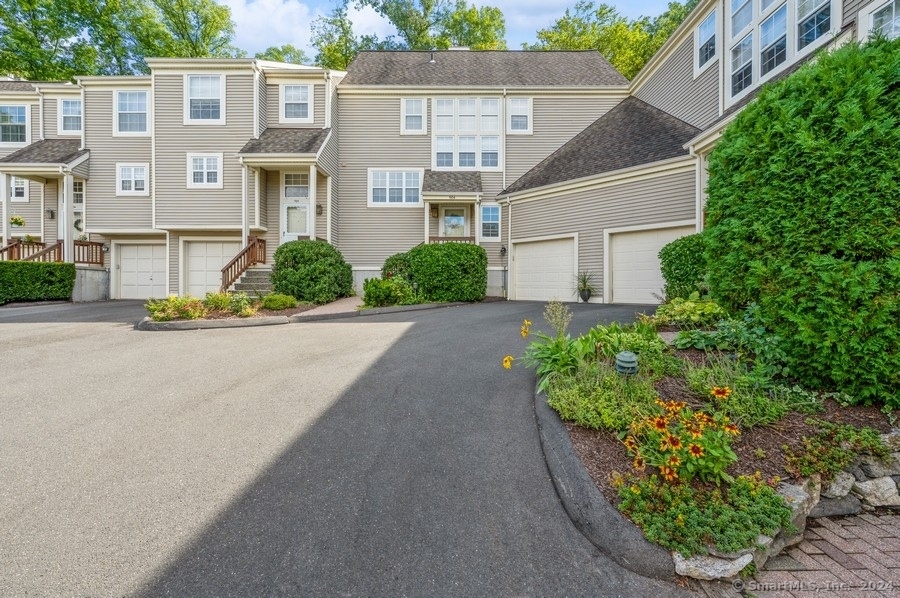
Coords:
318,209
51,214
626,363
434,211
105,248
503,251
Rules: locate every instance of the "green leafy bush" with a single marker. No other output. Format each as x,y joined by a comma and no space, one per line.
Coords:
449,271
833,448
804,214
696,339
396,265
691,312
683,266
277,302
311,271
176,308
36,281
239,303
381,292
218,301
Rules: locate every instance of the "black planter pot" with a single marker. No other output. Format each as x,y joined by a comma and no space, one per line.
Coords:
585,294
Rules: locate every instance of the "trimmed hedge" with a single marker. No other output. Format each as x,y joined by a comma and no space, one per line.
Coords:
683,266
381,292
36,281
804,219
449,271
396,265
311,271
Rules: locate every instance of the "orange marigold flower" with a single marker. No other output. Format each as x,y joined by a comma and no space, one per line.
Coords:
695,450
732,429
720,392
507,362
674,442
639,463
668,473
660,424
673,461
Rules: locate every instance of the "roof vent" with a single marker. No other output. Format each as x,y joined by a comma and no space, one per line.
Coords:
432,58
459,48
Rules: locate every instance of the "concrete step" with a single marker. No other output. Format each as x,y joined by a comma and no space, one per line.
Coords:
250,287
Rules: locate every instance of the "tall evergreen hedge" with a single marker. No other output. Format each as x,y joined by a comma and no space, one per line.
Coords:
449,271
36,281
804,218
683,266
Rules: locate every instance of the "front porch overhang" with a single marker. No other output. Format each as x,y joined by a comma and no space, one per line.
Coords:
451,197
278,161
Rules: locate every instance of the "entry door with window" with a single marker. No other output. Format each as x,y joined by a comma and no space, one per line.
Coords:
454,222
295,213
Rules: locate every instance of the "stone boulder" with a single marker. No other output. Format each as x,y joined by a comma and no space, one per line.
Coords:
840,486
837,507
710,567
874,467
880,492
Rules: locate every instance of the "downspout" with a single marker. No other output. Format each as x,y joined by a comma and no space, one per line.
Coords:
698,182
509,248
41,113
83,121
245,206
503,136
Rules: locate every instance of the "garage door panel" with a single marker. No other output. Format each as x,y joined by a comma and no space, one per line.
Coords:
142,271
205,260
634,261
545,270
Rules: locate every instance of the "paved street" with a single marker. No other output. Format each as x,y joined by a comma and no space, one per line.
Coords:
387,455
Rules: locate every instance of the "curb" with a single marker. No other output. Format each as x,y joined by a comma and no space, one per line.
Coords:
375,311
150,325
599,521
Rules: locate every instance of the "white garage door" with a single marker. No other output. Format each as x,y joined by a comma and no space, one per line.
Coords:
142,271
545,270
634,259
203,265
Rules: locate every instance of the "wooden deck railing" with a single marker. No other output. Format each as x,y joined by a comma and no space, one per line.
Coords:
254,253
20,250
89,252
51,253
469,240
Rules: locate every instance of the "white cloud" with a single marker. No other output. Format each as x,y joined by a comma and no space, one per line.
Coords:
260,24
368,22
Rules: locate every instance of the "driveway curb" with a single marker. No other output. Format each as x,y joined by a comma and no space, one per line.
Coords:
599,521
148,324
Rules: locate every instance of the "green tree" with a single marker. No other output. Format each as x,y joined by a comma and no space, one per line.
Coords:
477,28
285,53
416,21
335,43
189,29
627,44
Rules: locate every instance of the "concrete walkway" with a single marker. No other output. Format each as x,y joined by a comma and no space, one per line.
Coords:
341,306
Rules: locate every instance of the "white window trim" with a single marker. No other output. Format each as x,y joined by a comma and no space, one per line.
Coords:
312,110
23,199
8,144
478,134
115,99
187,100
369,203
403,129
490,204
190,171
509,115
698,68
866,16
120,166
59,117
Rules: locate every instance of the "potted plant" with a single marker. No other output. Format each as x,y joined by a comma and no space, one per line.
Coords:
584,283
16,221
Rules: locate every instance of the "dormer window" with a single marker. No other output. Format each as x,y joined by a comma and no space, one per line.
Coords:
204,100
296,103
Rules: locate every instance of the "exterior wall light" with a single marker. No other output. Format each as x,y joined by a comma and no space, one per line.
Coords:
626,363
434,212
51,214
318,209
503,251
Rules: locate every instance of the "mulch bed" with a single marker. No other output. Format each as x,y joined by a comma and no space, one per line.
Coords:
758,449
261,313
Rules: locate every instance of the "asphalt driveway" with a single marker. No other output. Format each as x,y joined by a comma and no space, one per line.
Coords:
389,455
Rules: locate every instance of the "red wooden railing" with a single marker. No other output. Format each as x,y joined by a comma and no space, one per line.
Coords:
469,240
51,253
254,253
88,252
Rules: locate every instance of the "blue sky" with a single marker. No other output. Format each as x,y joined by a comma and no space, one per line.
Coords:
264,23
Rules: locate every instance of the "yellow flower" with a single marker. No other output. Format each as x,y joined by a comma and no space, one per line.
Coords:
526,328
639,463
720,392
507,362
635,489
695,450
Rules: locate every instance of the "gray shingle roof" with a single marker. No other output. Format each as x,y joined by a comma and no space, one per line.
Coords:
451,182
16,86
455,68
47,151
631,134
287,141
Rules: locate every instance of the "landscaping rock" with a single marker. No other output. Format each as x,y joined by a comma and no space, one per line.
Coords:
837,507
874,467
840,486
880,492
892,440
709,567
856,471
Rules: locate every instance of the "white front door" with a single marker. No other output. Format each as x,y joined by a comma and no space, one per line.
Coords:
295,212
454,222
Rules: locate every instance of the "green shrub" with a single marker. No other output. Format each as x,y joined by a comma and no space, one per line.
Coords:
381,292
804,214
449,271
239,302
36,281
683,266
218,301
176,308
833,448
311,271
396,265
277,302
691,312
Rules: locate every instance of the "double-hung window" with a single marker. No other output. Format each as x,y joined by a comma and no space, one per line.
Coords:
466,133
519,116
413,116
741,15
78,193
773,41
131,179
886,19
204,99
204,171
131,113
742,65
69,117
13,124
813,21
18,190
297,103
706,40
490,222
395,187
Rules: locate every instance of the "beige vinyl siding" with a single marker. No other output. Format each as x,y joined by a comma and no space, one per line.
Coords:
176,205
51,114
328,164
556,120
673,89
319,222
30,210
51,202
369,137
83,170
104,210
263,198
273,213
665,198
851,12
263,104
35,115
273,96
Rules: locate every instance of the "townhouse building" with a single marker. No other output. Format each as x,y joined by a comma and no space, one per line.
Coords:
177,182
